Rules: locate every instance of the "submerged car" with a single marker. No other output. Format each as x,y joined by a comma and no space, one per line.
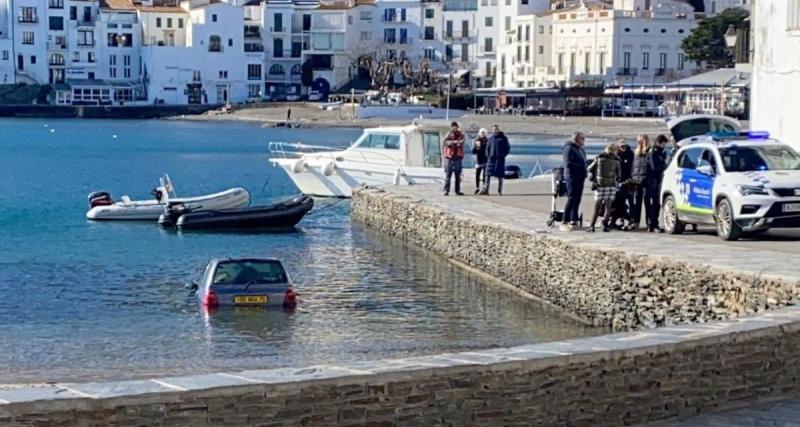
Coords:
739,182
255,282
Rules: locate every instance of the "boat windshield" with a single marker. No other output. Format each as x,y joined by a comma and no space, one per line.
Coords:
250,271
385,141
759,158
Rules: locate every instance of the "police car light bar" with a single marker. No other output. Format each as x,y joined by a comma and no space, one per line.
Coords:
721,136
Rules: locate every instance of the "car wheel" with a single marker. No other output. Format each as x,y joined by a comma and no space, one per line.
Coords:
672,224
727,228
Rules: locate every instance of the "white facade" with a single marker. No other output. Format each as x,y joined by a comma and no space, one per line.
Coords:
776,69
715,7
7,74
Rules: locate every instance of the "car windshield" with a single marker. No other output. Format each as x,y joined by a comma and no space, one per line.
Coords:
764,158
250,271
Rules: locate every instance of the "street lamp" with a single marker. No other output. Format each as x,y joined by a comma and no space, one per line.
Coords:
730,37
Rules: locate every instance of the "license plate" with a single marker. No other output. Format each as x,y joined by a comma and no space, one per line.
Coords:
791,207
250,299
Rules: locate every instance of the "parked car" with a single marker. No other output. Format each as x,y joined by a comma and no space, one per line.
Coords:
315,95
739,182
292,97
258,282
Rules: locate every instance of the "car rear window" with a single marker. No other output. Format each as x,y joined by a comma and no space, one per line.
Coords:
250,271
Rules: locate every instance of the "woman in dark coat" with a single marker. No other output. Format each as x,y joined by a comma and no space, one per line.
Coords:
479,150
497,149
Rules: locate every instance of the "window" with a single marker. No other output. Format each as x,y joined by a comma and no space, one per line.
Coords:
541,49
56,4
527,53
464,52
601,62
214,17
403,15
527,32
519,33
277,22
389,35
366,35
91,57
76,57
126,62
572,61
645,60
560,63
296,70
169,22
180,22
429,13
541,29
349,20
223,74
403,36
158,22
254,71
626,61
244,272
215,44
488,21
366,15
380,141
5,56
277,48
73,13
524,1
662,61
508,23
27,37
433,149
195,76
681,60
448,52
429,35
56,23
587,62
793,15
33,59
429,54
254,91
487,45
27,14
307,21
690,158
85,38
277,69
112,66
448,28
230,42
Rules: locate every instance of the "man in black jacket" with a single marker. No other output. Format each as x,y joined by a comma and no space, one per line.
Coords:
625,154
656,165
574,162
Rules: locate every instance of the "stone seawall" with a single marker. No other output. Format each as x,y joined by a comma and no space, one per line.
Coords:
622,379
612,285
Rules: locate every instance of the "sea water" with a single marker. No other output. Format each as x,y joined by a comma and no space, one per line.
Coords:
82,300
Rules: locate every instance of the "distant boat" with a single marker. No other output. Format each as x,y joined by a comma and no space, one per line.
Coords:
104,207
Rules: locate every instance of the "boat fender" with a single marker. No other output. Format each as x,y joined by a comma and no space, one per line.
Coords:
298,166
397,175
328,168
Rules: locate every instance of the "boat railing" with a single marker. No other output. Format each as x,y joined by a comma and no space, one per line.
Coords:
538,170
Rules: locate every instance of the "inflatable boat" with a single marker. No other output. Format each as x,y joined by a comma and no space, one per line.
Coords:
103,207
283,214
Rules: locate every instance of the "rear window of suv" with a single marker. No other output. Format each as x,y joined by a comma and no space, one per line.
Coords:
249,271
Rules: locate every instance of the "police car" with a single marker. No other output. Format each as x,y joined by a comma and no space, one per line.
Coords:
741,182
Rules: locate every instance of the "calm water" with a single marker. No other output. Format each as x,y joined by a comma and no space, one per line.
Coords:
85,300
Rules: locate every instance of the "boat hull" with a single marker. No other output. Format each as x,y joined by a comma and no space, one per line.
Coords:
339,182
284,214
150,210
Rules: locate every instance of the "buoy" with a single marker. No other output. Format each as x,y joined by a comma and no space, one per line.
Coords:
114,136
298,165
52,130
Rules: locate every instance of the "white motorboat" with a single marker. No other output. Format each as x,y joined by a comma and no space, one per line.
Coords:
103,207
385,155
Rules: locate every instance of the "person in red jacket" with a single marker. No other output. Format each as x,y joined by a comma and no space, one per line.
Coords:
453,156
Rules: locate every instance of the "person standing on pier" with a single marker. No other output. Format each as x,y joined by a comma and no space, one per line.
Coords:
479,150
574,163
638,175
453,156
625,154
606,170
497,149
656,164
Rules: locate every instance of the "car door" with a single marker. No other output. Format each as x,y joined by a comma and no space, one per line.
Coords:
696,186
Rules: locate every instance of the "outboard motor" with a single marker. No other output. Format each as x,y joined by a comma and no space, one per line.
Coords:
100,198
172,212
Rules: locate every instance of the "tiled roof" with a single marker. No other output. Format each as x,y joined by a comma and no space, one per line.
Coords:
160,9
117,4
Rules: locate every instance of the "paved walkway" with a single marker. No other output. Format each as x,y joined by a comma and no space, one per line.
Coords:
535,197
781,413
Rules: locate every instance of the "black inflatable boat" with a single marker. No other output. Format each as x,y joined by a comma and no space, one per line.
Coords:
283,214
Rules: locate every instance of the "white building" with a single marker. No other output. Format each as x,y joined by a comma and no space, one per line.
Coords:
622,44
776,69
488,25
285,26
7,75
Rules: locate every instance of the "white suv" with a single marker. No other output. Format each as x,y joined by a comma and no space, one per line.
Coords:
739,182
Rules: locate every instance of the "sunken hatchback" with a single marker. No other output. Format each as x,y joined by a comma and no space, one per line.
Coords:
255,282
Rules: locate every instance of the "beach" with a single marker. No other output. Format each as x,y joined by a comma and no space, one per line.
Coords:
310,115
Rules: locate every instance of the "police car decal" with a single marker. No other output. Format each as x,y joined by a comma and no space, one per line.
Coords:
695,192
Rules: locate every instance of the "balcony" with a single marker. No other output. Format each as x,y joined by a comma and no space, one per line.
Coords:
280,30
460,36
55,4
662,71
285,54
86,43
253,47
252,33
51,46
89,23
627,71
27,19
393,20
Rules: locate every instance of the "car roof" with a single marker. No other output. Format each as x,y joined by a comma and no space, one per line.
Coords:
262,259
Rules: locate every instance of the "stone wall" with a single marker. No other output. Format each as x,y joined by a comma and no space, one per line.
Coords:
621,379
602,285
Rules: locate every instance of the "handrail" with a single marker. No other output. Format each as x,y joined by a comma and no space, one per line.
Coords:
288,150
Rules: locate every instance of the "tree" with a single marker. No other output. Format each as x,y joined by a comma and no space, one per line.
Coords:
382,68
706,43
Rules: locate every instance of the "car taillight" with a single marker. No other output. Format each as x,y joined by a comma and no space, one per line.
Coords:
211,300
290,298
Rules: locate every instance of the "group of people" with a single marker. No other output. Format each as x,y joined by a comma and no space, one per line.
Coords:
621,177
490,158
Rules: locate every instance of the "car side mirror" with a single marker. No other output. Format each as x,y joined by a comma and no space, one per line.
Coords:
706,169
